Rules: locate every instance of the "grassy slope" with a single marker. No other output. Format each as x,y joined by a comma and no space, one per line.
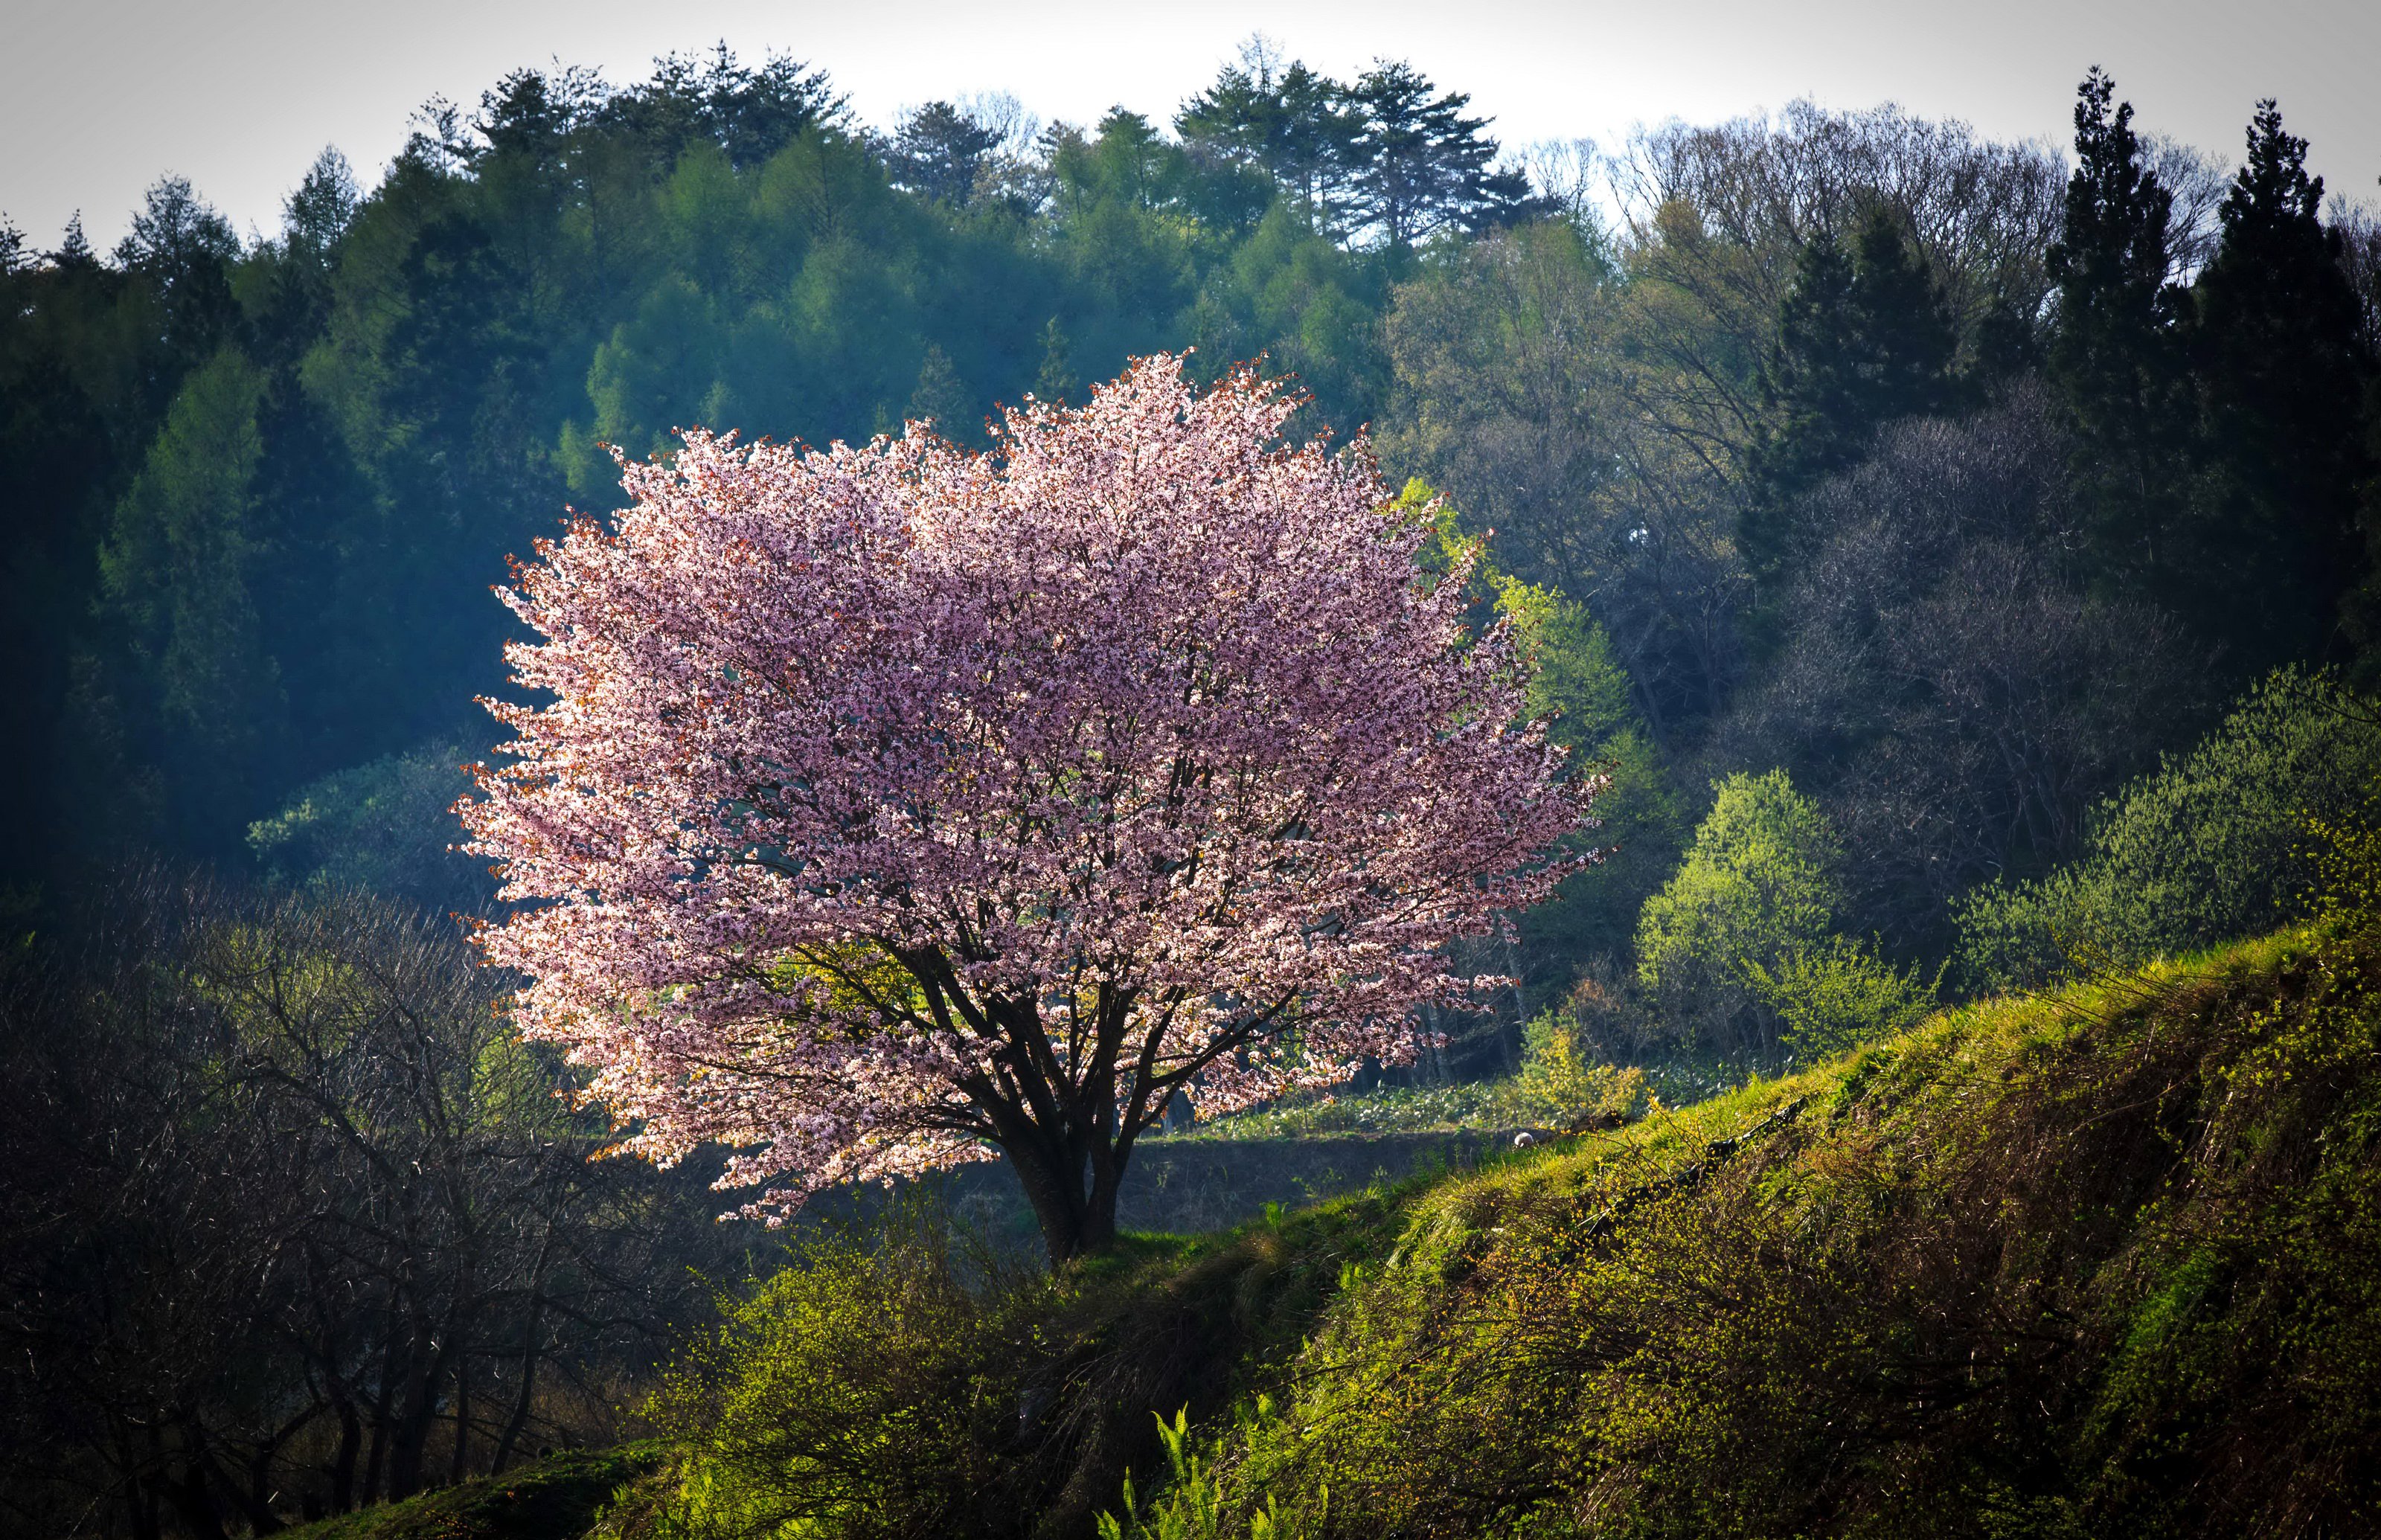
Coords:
2104,1264
551,1499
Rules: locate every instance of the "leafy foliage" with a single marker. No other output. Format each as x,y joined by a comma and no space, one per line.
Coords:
2211,847
1758,887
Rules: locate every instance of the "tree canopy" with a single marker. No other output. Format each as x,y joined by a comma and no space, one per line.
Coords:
898,806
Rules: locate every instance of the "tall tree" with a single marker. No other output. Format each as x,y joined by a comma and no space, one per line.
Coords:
908,807
183,251
938,149
1864,338
1287,121
1418,164
177,570
2283,367
2114,351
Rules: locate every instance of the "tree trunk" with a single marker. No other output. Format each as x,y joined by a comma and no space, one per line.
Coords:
455,1465
342,1465
1077,1217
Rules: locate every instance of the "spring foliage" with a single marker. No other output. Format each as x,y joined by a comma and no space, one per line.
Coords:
896,804
2211,847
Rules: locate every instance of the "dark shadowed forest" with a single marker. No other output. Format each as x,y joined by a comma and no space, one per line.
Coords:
1964,556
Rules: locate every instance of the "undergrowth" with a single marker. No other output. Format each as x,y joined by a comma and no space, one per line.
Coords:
2101,1263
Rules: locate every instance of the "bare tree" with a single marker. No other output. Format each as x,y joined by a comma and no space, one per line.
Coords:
1944,679
304,1226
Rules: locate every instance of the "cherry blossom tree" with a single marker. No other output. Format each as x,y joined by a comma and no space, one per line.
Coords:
895,807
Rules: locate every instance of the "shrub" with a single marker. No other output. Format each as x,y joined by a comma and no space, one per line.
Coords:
1838,994
2209,847
860,1390
1758,886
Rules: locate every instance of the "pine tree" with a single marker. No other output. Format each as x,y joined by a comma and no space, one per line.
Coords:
1864,337
1420,165
2115,354
938,150
1288,122
1056,379
184,249
177,573
942,399
74,253
2283,370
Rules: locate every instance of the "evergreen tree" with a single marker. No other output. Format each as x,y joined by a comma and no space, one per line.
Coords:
942,399
938,149
297,270
1419,165
1864,338
2283,368
2114,353
74,253
177,570
1288,123
1055,380
183,249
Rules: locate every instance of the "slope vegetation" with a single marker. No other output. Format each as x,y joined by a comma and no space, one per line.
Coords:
2106,1262
2101,1262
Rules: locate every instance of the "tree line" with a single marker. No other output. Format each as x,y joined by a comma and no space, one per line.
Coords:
1881,505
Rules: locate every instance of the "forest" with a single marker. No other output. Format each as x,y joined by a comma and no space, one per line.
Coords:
1961,560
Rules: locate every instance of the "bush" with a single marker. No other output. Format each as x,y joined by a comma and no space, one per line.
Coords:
1758,886
901,1379
1838,993
864,1388
2210,847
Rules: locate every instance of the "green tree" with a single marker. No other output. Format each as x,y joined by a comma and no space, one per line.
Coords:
177,572
942,399
938,150
1583,690
1864,337
2115,353
1759,887
1286,121
2284,367
1055,379
1417,165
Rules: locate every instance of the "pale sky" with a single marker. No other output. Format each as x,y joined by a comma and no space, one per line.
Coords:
98,97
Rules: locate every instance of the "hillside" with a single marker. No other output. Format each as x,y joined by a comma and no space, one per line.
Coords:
2102,1263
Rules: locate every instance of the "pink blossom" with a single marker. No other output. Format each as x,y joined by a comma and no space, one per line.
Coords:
895,807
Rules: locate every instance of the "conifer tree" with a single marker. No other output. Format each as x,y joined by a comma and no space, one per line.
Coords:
1055,380
941,397
938,150
1420,165
1864,338
2283,368
2114,351
1288,122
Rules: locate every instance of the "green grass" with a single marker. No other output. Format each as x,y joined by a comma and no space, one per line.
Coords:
553,1498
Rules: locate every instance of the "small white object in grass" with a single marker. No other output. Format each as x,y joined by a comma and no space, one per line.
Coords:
1524,1140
